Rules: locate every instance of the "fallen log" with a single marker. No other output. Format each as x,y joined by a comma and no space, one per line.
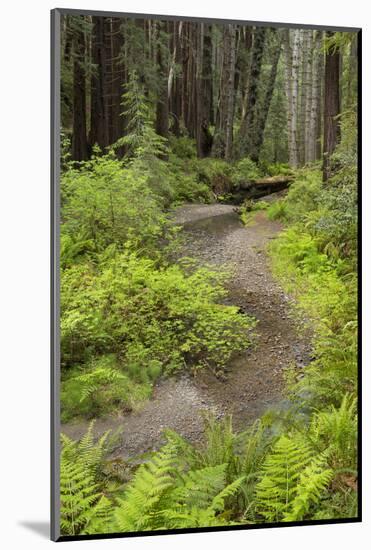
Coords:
265,186
274,180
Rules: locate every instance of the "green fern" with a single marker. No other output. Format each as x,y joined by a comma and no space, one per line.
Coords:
84,507
310,488
97,379
169,492
336,430
200,499
292,479
152,481
280,473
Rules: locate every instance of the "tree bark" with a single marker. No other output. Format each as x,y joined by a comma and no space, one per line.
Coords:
79,137
162,106
315,102
306,88
248,123
231,92
174,80
258,135
223,139
308,75
287,50
294,146
98,114
244,67
331,125
117,82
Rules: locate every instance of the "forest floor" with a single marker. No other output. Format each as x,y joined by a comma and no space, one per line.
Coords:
254,380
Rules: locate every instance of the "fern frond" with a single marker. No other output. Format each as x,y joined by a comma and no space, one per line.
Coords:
199,487
309,490
281,471
218,502
336,429
84,508
137,510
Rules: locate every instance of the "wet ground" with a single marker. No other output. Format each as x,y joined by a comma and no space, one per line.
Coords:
254,380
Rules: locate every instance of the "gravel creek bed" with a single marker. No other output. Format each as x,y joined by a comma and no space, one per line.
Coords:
253,382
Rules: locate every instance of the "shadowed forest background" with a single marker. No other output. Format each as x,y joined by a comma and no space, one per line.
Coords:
208,268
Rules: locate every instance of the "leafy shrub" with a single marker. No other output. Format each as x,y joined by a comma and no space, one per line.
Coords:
183,147
130,306
99,387
278,169
216,173
245,171
277,210
302,197
188,189
328,298
106,203
249,208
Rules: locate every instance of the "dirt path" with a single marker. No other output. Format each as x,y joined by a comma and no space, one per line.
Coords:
254,381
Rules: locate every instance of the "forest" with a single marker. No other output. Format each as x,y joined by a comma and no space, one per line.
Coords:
208,262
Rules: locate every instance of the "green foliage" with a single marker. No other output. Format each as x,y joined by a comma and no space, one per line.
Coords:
183,147
216,173
277,210
104,203
245,170
173,318
184,487
141,140
336,430
302,197
99,387
337,218
84,507
315,260
328,297
292,480
170,315
249,208
277,169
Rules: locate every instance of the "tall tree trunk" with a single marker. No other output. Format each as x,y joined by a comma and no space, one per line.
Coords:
204,91
223,139
117,82
294,146
287,50
331,125
162,106
307,84
185,55
248,123
231,92
306,89
174,79
315,103
79,137
98,114
321,87
244,67
258,135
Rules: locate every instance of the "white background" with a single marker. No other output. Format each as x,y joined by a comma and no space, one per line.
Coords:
24,272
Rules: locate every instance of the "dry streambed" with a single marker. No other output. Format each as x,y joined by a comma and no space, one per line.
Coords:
254,380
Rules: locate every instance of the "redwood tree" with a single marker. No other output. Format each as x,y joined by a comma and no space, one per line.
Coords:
79,137
331,134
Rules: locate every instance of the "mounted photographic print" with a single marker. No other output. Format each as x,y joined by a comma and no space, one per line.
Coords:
205,278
